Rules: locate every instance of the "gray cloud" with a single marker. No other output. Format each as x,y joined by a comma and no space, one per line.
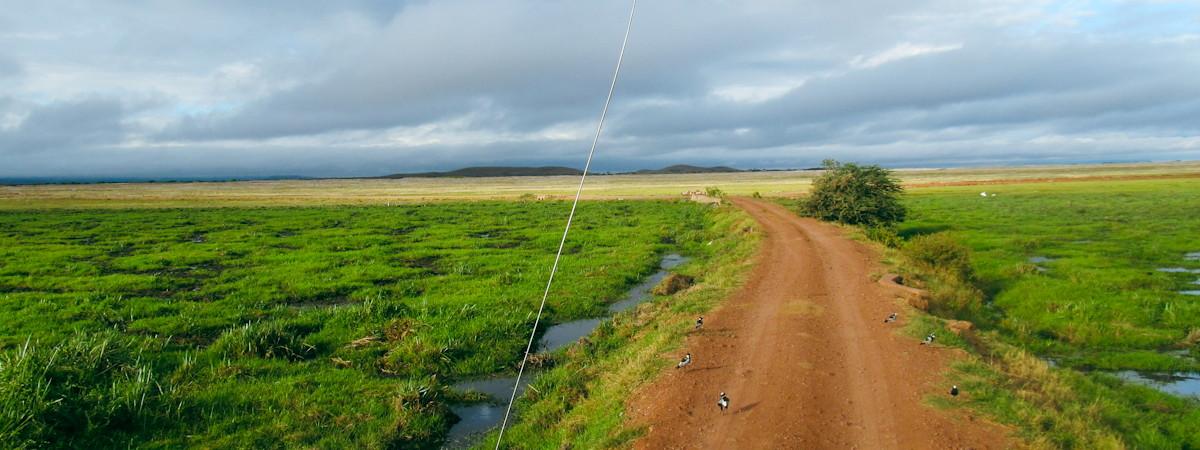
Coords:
369,87
65,126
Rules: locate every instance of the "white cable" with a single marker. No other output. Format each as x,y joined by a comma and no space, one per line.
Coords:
570,218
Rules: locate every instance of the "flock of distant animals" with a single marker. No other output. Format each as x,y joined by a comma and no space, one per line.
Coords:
723,400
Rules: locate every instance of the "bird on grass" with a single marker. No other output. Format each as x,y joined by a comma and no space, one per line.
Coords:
687,359
723,402
929,339
954,391
699,322
891,318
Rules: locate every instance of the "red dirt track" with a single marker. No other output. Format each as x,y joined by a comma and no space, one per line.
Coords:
806,360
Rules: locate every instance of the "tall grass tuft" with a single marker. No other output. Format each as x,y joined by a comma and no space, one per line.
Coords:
279,339
421,415
24,398
943,265
941,254
89,387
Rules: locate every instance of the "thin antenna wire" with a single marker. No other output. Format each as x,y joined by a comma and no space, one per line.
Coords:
571,218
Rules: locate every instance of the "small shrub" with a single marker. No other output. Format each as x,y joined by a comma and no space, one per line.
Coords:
714,192
956,298
942,253
883,235
943,265
756,195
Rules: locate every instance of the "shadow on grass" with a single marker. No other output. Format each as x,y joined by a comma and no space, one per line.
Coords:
911,232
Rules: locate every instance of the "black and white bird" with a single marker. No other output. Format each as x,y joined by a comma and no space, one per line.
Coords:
891,318
723,402
687,359
699,322
929,339
954,391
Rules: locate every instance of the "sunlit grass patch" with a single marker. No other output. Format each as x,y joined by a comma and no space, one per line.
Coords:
336,327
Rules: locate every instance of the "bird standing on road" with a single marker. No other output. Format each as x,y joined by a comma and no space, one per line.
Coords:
954,391
891,318
929,339
687,359
723,402
699,322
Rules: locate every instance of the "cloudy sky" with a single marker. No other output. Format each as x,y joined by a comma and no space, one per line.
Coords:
366,87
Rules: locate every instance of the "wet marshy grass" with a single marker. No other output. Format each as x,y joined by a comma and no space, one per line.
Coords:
332,327
1094,277
1078,267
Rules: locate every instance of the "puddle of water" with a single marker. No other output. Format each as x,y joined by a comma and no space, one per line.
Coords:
1184,384
672,261
1195,292
1040,259
565,334
638,294
1177,270
498,388
477,419
641,292
1193,256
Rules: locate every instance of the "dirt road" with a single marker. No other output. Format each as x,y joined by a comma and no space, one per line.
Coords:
804,355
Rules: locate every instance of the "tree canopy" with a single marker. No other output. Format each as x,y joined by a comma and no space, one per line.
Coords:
858,195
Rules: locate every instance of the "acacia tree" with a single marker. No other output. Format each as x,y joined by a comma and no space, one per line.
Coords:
856,195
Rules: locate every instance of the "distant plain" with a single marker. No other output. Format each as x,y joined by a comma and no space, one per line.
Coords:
384,191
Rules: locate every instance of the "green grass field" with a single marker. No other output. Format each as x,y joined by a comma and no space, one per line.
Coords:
1071,273
156,322
1072,268
335,327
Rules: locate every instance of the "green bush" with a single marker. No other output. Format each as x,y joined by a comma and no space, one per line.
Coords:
856,195
883,235
942,253
943,265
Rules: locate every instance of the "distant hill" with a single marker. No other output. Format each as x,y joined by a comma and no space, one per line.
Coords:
684,168
483,172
